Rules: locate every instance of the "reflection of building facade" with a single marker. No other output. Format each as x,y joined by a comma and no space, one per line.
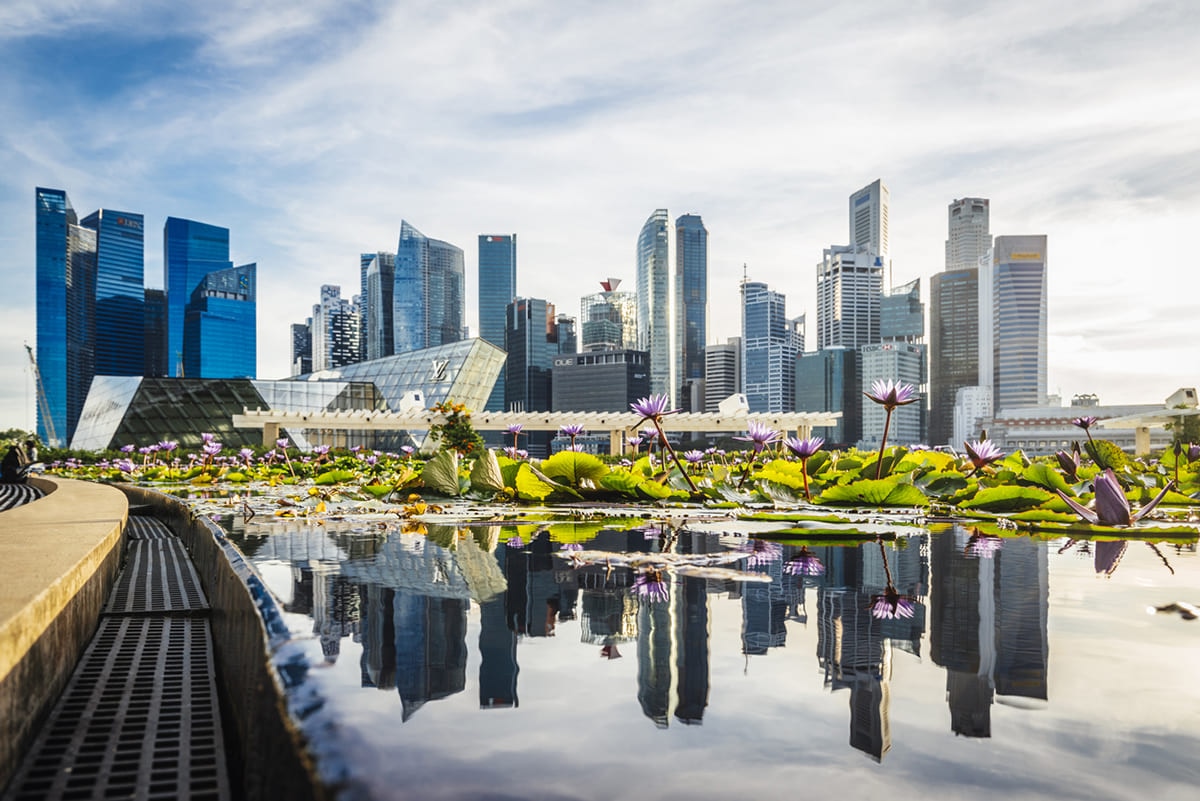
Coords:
431,648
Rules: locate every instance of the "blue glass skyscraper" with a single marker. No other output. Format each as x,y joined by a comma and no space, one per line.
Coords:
497,288
120,292
691,267
768,350
191,250
428,300
654,314
375,305
220,325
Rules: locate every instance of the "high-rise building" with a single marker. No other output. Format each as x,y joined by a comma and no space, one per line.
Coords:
900,356
66,326
532,341
769,347
497,281
608,319
220,325
302,362
191,250
849,282
869,221
656,314
336,328
375,312
722,372
691,267
155,363
599,381
1019,326
428,302
968,232
959,329
120,292
828,381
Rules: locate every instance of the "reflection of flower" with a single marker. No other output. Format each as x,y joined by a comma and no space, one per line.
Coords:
515,541
892,605
571,546
981,453
1111,505
761,552
805,563
649,584
983,546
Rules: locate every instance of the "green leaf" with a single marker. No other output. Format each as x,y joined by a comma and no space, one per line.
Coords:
781,471
653,490
334,477
378,490
622,481
571,467
942,483
1007,499
871,492
529,486
441,473
1046,476
1106,454
486,473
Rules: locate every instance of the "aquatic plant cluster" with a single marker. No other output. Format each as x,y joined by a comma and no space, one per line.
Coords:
1097,484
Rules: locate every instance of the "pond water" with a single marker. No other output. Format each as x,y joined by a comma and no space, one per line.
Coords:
461,663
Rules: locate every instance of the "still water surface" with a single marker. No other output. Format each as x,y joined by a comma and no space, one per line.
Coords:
455,665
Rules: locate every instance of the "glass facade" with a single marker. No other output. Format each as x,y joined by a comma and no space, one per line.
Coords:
601,381
828,381
608,319
768,350
1019,339
691,265
893,361
954,346
654,294
155,327
428,299
142,411
191,250
120,292
220,329
849,283
497,288
531,352
376,305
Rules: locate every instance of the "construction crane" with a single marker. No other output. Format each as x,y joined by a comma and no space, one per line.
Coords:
43,401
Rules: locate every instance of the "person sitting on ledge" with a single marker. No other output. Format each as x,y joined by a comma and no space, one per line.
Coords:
15,467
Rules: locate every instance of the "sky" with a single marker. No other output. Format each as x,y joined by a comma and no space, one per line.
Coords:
310,129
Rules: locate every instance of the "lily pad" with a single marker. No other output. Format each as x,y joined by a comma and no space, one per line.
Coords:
872,492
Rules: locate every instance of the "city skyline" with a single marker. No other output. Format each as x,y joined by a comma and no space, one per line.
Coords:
551,130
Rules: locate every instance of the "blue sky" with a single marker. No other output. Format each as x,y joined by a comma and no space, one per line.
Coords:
310,129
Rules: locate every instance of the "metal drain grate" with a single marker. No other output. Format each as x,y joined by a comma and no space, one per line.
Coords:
147,528
158,578
138,720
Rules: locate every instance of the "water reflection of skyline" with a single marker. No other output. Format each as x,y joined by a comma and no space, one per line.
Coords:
406,599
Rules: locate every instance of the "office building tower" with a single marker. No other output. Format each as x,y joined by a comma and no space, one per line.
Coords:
954,336
120,303
691,267
428,302
900,356
154,364
608,319
336,327
849,282
869,222
65,278
599,381
375,312
828,381
497,282
531,345
1019,325
968,232
722,372
302,363
768,350
220,325
656,314
191,250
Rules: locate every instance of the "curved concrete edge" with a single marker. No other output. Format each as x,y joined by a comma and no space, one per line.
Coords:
59,558
273,758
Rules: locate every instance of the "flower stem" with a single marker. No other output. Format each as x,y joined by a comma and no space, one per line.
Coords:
664,443
887,422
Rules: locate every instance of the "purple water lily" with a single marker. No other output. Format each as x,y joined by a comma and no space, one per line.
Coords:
805,563
651,585
653,409
982,546
1111,507
889,394
892,605
514,431
981,453
761,435
571,430
128,448
1193,452
1086,422
1069,463
803,449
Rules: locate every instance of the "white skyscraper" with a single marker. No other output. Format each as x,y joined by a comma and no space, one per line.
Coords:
849,282
869,222
968,232
1019,325
656,317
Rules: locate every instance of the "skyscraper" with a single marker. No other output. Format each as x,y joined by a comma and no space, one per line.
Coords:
768,350
656,318
691,266
302,362
899,356
428,302
722,372
375,305
1019,302
336,328
191,250
220,325
849,282
66,274
497,281
956,323
828,381
608,319
120,292
869,221
155,364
